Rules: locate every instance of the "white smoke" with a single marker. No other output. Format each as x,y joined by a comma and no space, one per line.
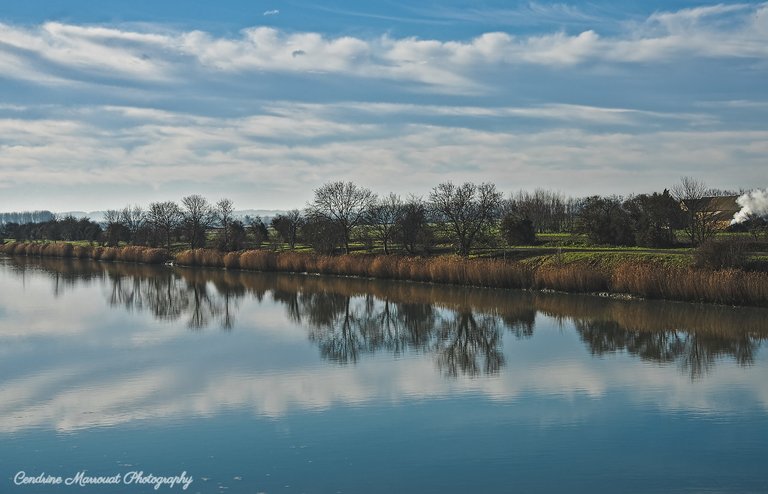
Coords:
752,204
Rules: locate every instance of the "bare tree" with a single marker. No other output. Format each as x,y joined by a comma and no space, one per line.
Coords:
701,220
224,211
344,204
259,231
322,234
133,218
238,235
198,217
413,229
544,208
571,210
385,217
115,230
111,216
165,217
605,221
467,210
288,226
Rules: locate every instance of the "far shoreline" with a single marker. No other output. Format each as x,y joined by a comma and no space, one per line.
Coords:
614,275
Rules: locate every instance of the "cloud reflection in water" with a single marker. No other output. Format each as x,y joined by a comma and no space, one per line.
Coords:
143,362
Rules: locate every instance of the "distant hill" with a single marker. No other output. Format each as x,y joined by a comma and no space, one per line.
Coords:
38,216
266,214
98,216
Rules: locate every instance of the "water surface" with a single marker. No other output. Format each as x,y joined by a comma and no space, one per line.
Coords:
269,383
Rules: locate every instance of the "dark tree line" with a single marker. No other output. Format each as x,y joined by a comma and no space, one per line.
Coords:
67,228
648,220
343,216
469,216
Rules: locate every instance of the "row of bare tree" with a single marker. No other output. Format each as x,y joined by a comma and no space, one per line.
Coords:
466,216
470,214
163,222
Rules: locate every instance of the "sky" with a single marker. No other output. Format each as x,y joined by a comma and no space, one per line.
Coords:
107,103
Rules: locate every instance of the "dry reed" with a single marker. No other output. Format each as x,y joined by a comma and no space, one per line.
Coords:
648,280
109,254
232,260
131,253
638,278
81,252
200,257
258,260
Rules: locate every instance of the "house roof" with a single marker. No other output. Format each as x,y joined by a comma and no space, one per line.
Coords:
722,207
723,204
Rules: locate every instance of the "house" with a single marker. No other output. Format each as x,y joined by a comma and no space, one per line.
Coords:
718,210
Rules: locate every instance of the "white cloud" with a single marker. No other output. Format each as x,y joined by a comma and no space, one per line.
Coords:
718,31
735,31
97,51
263,48
734,104
573,114
271,12
531,13
300,145
135,368
687,18
477,113
178,389
561,49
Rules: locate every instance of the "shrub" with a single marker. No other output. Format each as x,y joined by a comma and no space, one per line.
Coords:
517,230
721,254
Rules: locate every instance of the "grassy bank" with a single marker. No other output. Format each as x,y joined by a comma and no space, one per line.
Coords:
645,275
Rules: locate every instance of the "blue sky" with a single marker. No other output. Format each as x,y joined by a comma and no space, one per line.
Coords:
108,103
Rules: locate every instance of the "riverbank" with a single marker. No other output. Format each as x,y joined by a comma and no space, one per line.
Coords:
637,275
129,253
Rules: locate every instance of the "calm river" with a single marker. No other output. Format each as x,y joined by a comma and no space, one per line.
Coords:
275,383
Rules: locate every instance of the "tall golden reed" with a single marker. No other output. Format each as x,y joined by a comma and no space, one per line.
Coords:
132,253
638,278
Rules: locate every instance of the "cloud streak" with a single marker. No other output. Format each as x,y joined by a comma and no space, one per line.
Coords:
60,50
146,112
298,146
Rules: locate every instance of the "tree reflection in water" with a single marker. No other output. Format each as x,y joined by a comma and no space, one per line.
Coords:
344,326
696,352
465,338
462,327
163,294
